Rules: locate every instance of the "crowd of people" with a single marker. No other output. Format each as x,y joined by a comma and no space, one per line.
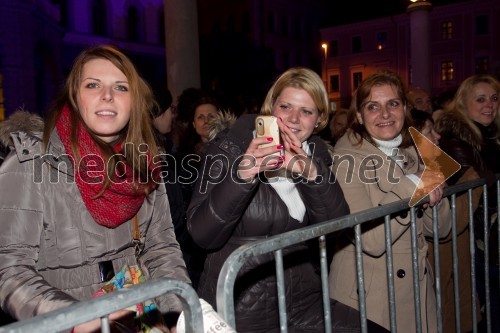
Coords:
197,181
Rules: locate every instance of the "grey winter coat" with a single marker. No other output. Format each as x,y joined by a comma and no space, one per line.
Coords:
226,213
51,247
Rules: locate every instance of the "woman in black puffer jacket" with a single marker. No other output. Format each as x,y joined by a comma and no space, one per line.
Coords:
246,194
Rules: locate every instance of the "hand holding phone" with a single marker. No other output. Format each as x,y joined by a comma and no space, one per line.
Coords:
267,126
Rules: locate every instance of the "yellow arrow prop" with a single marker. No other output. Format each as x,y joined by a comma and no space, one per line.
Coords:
439,166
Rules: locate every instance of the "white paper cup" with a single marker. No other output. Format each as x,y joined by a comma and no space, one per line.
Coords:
212,321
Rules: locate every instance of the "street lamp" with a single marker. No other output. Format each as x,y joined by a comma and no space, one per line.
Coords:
324,46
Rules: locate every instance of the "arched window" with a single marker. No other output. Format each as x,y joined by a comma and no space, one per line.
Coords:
99,17
133,24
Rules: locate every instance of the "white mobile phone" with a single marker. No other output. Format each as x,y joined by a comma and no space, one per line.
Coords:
267,126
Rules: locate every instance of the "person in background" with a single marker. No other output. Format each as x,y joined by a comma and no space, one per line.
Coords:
470,134
162,118
70,195
442,101
338,124
249,193
196,109
424,123
420,99
381,149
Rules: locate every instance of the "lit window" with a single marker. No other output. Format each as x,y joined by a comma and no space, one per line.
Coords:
447,71
447,30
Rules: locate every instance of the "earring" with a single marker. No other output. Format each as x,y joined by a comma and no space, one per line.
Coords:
316,126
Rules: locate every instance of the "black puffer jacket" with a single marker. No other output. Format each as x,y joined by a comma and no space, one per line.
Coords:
481,153
225,213
460,142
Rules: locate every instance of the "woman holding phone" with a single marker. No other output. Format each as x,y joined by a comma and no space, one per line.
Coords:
247,193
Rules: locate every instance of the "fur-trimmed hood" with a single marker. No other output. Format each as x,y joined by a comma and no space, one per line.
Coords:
452,124
224,120
20,121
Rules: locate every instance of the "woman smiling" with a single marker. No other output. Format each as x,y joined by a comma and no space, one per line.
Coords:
386,169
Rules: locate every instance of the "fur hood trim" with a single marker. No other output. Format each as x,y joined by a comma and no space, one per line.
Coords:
223,121
20,121
453,125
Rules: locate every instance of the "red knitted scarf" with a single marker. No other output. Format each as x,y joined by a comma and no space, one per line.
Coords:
124,196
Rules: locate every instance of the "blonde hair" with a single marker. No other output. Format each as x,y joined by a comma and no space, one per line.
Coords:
459,103
305,79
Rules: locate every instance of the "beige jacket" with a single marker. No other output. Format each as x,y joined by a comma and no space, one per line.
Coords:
382,181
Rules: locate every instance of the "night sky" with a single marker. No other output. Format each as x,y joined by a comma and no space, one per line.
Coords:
355,11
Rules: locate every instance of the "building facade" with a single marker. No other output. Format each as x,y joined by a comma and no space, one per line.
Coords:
463,40
245,44
39,40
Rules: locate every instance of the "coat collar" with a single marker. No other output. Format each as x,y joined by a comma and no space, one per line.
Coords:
366,149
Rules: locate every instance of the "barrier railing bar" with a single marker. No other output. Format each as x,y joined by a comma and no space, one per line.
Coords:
486,228
360,276
437,269
390,273
456,293
324,284
105,324
472,249
68,317
280,280
498,224
414,260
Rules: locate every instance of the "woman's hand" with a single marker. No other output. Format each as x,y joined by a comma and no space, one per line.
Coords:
258,159
436,195
296,159
124,317
431,183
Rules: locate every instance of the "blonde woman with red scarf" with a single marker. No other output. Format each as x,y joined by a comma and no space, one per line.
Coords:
70,194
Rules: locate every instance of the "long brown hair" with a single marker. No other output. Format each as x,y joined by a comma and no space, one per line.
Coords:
364,91
139,129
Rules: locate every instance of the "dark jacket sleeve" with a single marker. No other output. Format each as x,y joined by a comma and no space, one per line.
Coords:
464,154
218,201
323,196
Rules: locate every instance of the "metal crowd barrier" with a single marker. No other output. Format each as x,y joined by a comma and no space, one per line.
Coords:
101,307
230,269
